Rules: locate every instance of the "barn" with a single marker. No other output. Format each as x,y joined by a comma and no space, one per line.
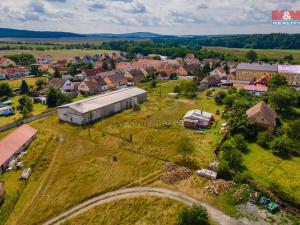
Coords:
100,106
14,143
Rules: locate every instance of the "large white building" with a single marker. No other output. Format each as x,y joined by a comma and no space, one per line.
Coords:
100,106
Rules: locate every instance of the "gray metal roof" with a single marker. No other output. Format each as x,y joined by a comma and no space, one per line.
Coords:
102,100
258,67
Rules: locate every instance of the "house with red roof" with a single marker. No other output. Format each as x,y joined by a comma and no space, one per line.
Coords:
256,90
14,143
5,62
15,72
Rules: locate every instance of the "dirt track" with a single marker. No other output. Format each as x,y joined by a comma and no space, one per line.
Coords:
218,216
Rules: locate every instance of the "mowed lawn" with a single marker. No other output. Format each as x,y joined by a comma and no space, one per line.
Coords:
75,166
266,168
272,53
142,211
57,54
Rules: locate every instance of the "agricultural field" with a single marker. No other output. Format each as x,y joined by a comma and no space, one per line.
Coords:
155,211
267,169
57,54
270,53
65,156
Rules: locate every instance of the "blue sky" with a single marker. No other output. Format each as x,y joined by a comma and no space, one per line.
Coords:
160,16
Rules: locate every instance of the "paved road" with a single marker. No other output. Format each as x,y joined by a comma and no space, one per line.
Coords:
214,213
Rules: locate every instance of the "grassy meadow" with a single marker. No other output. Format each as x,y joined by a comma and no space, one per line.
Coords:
17,83
266,169
57,54
154,211
74,164
270,53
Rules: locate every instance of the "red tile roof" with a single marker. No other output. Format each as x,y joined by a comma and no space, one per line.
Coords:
259,88
14,141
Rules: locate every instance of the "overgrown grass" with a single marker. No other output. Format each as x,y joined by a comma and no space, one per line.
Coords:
266,168
80,166
131,211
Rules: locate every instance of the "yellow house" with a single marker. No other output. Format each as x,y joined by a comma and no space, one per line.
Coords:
255,71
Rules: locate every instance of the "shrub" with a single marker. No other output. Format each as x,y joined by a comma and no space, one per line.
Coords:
219,96
264,139
176,89
224,170
195,215
209,92
281,146
239,142
136,107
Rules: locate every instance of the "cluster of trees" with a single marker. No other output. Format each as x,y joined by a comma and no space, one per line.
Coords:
258,41
55,97
22,59
186,87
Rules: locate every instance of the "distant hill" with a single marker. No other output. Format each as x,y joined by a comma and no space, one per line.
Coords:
126,35
13,33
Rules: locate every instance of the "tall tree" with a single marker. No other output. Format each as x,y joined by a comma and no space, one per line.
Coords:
277,81
24,87
283,98
251,55
57,73
26,106
5,90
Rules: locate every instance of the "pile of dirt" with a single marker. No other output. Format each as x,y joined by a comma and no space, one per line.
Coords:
174,173
218,186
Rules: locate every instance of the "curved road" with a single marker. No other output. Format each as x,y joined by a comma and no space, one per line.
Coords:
214,213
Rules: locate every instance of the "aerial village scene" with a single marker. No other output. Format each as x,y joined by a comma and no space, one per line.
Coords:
142,129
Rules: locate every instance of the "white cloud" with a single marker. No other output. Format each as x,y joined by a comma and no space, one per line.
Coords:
161,16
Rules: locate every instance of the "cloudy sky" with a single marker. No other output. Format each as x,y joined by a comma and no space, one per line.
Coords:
160,16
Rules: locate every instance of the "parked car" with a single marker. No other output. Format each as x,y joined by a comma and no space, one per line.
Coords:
26,173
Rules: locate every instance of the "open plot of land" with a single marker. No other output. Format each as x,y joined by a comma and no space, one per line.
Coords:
272,53
266,169
17,83
57,54
75,166
131,211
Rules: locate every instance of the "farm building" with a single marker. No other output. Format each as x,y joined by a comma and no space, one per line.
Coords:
14,143
101,106
197,118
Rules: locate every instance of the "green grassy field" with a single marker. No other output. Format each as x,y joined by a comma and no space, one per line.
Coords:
37,109
17,83
266,168
271,53
75,166
57,54
142,211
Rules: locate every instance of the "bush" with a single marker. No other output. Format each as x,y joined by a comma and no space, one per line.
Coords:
209,93
224,171
136,107
176,89
281,146
219,96
195,215
239,142
264,139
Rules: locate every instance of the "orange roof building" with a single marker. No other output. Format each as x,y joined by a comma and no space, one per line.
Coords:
14,143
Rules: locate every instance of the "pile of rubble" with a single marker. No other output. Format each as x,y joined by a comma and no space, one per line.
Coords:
174,173
218,186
